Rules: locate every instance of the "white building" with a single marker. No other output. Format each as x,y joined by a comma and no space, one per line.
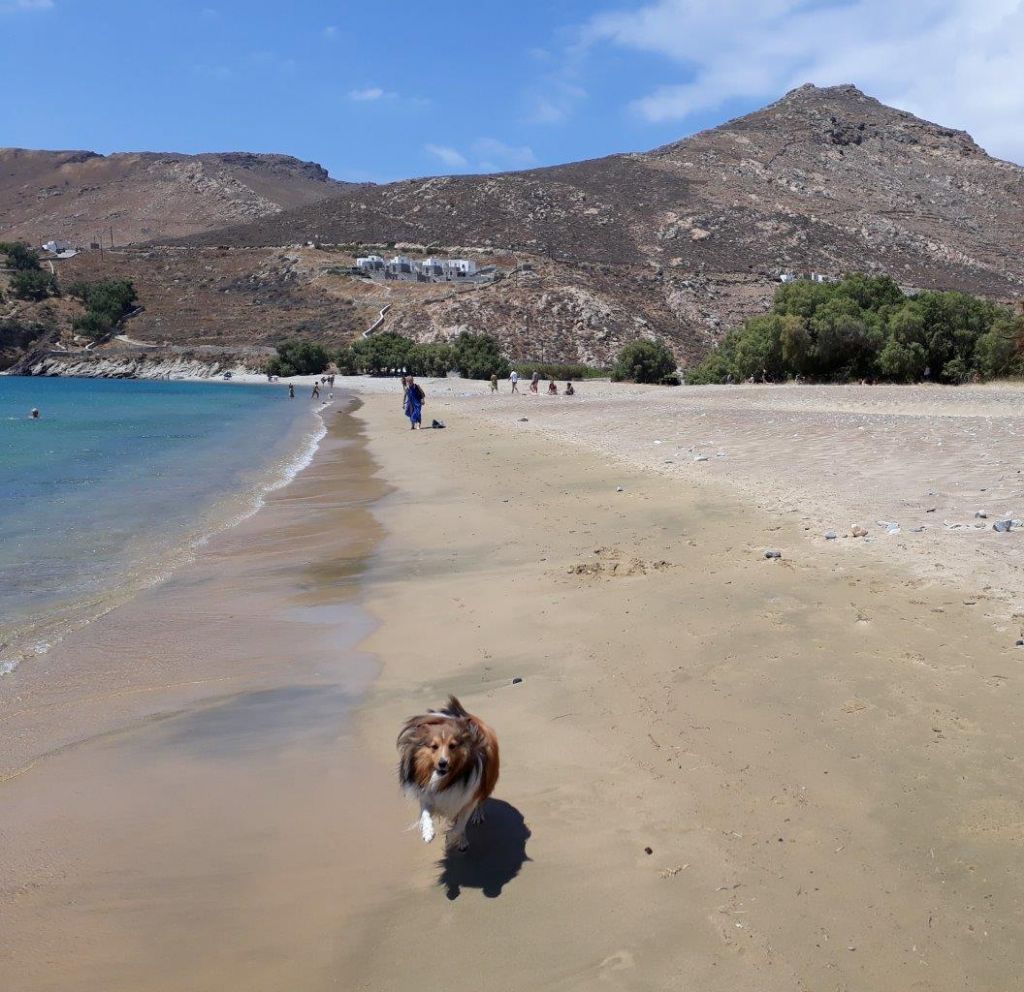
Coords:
56,247
461,267
434,268
401,265
370,263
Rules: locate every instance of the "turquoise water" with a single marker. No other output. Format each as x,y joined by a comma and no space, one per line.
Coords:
117,479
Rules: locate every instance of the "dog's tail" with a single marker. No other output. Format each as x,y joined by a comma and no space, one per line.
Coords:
452,708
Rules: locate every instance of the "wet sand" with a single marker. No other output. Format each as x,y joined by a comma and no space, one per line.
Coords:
180,789
719,772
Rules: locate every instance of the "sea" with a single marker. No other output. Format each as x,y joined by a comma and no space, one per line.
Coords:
119,481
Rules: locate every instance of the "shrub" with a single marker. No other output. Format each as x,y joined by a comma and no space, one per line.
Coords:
19,256
298,358
556,370
478,356
93,325
430,359
644,361
865,327
379,353
33,284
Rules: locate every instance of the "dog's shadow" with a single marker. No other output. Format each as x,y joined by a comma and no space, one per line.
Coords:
497,851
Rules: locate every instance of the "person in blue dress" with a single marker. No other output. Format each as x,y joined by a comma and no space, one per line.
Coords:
414,403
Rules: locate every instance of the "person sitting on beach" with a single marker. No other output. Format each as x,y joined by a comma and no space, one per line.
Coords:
552,388
569,391
316,391
414,398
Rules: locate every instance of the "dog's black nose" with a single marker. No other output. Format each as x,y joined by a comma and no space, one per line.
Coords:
442,766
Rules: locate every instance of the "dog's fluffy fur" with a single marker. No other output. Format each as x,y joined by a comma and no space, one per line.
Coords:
449,763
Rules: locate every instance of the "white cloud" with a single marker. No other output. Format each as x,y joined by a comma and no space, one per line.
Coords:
368,94
449,156
956,62
494,155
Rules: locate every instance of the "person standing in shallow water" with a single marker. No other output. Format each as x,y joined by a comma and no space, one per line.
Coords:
316,391
291,391
414,404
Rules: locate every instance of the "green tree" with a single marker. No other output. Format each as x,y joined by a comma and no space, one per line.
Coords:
33,284
478,356
20,257
298,358
433,359
381,354
644,361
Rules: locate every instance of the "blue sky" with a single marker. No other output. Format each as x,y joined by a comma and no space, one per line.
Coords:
376,94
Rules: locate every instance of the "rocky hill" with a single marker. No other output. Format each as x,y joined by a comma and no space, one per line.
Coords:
80,196
683,241
824,180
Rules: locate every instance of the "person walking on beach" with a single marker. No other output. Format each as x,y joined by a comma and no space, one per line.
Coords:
534,380
514,379
291,391
414,404
494,382
316,391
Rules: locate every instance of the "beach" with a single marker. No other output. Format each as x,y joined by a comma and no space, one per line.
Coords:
719,771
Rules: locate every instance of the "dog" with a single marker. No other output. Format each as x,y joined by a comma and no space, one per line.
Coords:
449,763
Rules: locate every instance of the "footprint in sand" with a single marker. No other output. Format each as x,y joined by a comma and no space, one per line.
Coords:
619,961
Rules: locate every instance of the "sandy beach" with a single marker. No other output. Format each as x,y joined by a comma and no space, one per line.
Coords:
719,771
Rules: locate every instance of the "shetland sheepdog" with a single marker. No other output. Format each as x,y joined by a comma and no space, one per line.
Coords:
449,763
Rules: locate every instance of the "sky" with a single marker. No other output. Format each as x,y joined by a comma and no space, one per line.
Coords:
378,91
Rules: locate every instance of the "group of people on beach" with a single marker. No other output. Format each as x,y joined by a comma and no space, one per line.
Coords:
570,390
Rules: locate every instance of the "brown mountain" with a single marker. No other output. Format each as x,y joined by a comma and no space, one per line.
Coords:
80,196
683,241
824,180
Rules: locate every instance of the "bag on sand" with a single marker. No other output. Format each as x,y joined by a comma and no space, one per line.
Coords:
437,424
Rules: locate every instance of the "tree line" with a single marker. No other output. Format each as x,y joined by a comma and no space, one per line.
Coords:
866,328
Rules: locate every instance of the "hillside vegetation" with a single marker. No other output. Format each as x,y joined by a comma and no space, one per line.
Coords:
866,328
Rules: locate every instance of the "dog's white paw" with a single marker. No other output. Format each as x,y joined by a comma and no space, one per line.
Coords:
426,827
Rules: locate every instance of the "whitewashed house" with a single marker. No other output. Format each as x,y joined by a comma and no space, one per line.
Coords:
56,247
460,268
370,263
401,265
433,268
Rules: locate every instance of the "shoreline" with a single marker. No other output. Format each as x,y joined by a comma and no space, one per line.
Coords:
29,637
819,753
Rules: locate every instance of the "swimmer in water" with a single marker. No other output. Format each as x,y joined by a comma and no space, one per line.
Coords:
34,414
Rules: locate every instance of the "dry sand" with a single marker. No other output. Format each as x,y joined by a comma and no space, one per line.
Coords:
820,754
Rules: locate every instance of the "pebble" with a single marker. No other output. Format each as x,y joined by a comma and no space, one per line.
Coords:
524,420
831,535
981,514
648,850
618,489
858,531
773,554
1020,642
517,679
700,458
1003,526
